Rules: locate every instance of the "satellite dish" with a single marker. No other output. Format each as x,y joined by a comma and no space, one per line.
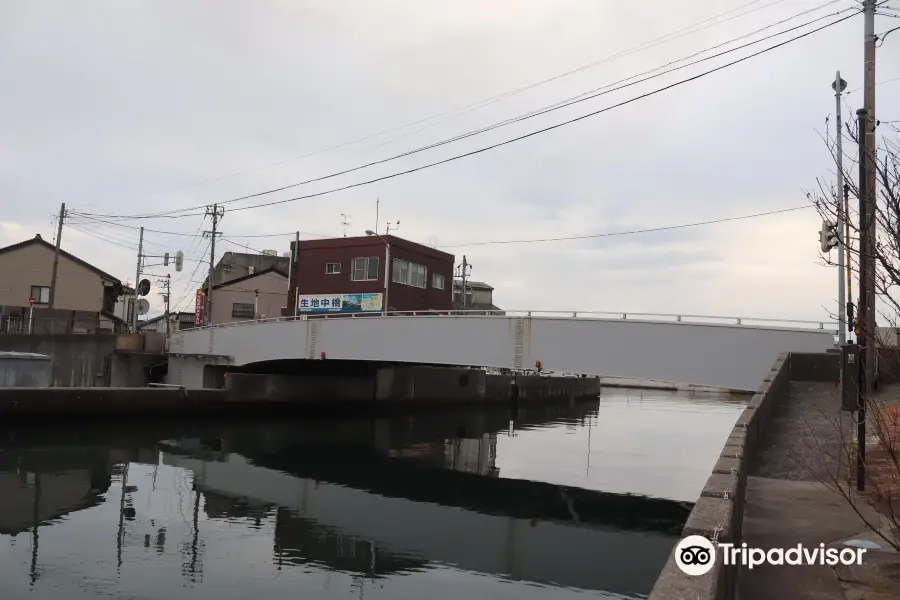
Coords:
143,306
144,287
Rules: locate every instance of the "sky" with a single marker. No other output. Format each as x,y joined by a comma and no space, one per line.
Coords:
124,108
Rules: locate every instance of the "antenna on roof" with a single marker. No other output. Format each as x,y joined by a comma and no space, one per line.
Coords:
344,222
388,229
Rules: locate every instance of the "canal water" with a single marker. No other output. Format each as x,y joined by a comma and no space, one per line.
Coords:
562,502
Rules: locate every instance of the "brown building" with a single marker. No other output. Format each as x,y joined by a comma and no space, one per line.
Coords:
85,298
348,275
257,296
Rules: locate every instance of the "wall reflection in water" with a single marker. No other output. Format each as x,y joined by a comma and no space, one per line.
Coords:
398,507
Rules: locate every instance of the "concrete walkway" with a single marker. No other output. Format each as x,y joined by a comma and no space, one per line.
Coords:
787,504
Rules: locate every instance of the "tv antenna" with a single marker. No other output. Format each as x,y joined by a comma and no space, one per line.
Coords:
345,221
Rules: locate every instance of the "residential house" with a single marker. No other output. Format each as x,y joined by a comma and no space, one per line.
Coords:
352,274
84,299
234,265
258,295
479,296
177,322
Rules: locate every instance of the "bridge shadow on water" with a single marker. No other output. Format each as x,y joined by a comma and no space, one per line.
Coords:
387,500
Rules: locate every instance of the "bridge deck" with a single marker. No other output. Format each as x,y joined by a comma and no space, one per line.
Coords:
735,356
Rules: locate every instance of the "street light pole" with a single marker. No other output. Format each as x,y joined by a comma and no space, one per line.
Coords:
839,86
387,269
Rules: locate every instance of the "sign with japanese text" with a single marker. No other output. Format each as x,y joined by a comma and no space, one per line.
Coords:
198,308
338,303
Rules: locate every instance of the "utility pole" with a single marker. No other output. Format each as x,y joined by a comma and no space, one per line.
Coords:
465,273
847,243
137,280
864,337
867,134
839,85
167,282
62,218
216,212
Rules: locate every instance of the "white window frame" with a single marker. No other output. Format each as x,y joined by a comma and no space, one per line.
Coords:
418,276
333,270
410,273
368,261
400,271
435,278
43,291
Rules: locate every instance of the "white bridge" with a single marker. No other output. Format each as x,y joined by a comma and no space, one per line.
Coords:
727,352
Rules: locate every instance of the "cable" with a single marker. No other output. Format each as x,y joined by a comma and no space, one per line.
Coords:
101,238
876,83
632,232
480,104
545,129
194,235
549,128
190,281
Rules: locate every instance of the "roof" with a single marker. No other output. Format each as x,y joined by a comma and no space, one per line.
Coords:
472,285
251,276
183,317
39,240
375,240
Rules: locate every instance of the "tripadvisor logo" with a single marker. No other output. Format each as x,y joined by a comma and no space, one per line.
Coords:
696,555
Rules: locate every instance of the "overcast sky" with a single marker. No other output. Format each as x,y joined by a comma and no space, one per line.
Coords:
134,106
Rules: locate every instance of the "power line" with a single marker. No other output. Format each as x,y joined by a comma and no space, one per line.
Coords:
519,138
545,129
194,235
631,232
685,31
577,99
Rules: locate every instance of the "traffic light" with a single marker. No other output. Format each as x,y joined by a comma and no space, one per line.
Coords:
166,259
828,236
179,260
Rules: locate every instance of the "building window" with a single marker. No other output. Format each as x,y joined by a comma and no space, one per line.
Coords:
437,281
41,294
418,276
409,273
365,269
332,268
401,271
242,310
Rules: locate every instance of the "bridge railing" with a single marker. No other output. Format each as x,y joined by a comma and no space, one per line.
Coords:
831,326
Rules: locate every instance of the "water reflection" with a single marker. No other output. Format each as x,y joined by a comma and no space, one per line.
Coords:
397,507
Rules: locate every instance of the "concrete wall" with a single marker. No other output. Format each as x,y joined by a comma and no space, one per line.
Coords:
24,370
735,357
87,360
272,296
719,512
78,288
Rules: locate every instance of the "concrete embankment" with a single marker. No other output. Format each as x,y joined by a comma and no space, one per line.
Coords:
96,360
402,388
719,512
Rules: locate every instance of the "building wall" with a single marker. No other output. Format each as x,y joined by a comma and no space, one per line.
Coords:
272,297
309,277
78,288
237,264
478,295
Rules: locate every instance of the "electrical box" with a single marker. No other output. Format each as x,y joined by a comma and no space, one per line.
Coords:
850,356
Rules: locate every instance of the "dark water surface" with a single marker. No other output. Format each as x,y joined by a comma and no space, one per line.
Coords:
561,502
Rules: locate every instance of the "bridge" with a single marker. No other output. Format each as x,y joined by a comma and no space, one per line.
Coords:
725,352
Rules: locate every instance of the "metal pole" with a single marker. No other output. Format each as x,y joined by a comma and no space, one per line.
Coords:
215,214
863,335
387,274
464,267
30,318
137,279
847,244
256,305
62,217
842,319
867,133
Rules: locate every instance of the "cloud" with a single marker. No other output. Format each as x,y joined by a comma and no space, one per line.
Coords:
148,100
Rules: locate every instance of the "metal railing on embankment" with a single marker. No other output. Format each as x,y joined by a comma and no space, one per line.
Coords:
559,314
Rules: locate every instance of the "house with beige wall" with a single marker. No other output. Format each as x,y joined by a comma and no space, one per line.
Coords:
85,297
256,296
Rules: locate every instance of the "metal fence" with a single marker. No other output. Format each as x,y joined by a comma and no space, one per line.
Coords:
19,325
